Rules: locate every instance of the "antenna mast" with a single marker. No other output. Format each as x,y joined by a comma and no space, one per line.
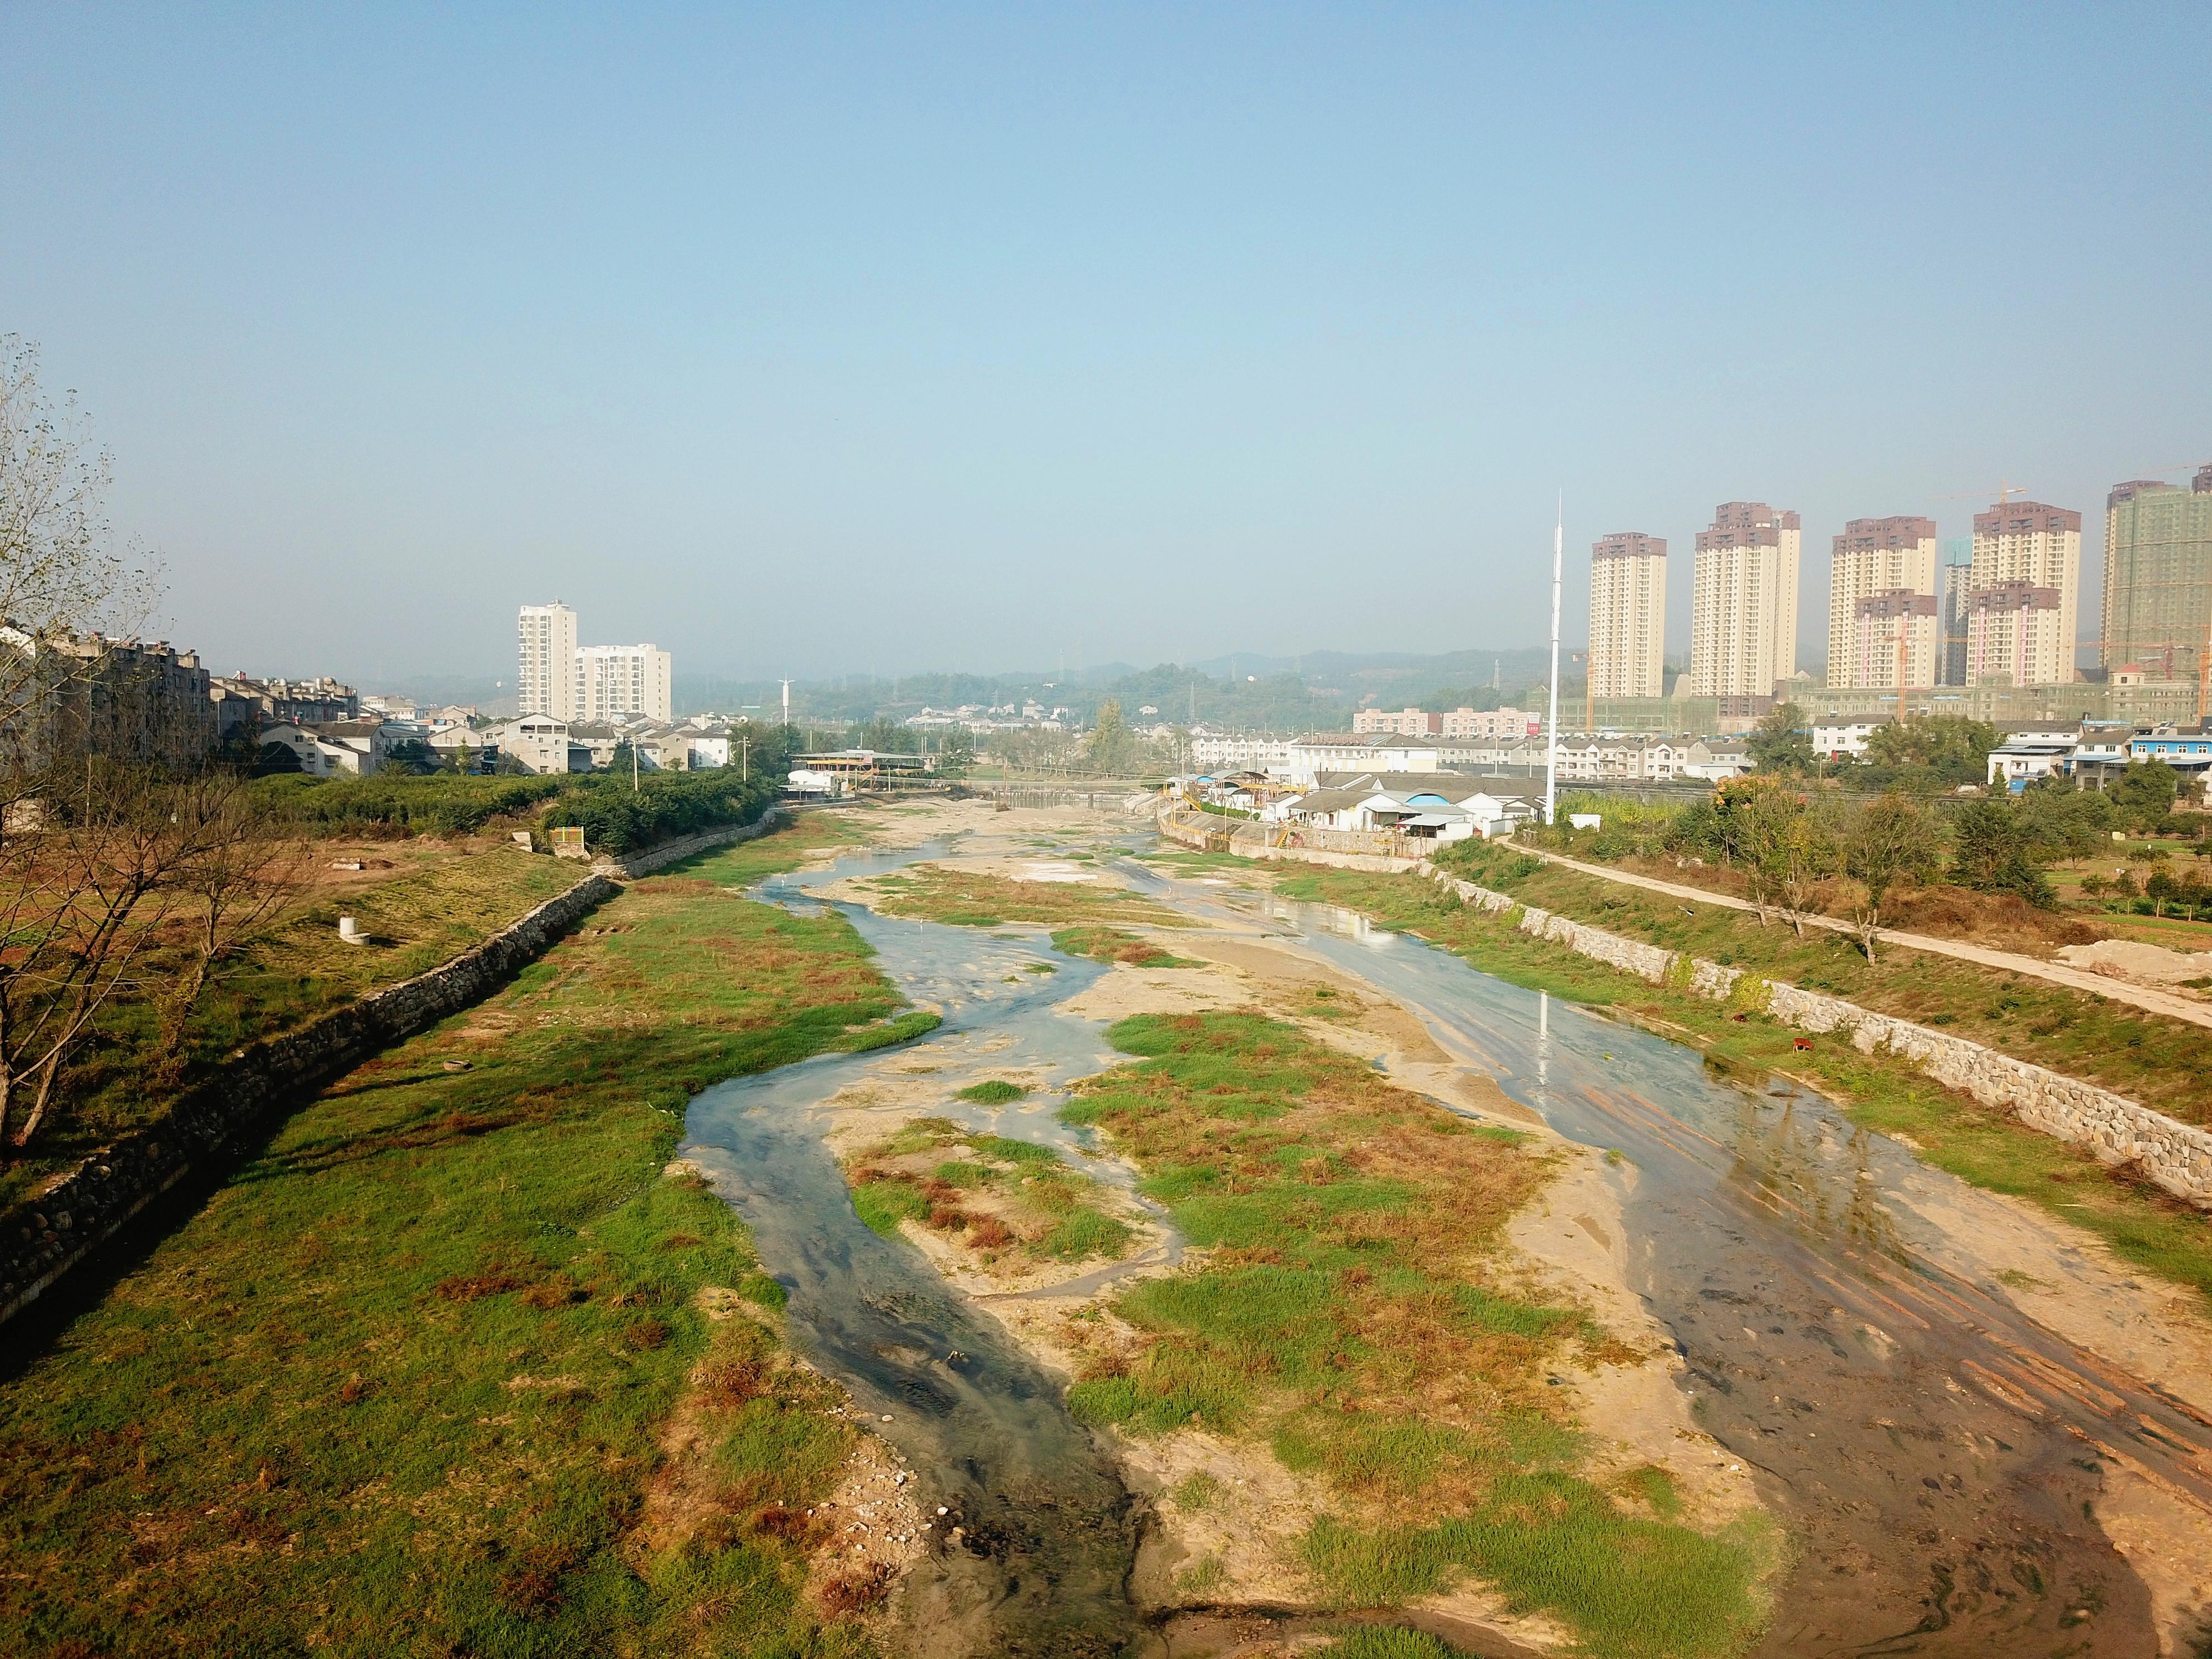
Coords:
1552,725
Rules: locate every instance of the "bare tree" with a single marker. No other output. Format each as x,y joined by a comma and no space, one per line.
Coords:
92,885
89,845
237,868
1888,842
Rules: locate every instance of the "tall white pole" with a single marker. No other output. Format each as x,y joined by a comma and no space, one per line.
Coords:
1552,725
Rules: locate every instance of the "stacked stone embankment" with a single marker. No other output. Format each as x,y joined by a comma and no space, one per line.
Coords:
2176,1155
43,1237
669,852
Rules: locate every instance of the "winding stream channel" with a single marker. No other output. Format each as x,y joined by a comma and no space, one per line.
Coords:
1935,1453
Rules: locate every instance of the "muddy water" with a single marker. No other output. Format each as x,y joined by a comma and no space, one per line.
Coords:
1050,1534
1935,1454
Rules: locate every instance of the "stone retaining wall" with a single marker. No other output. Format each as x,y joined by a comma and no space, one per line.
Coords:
669,852
43,1237
2175,1155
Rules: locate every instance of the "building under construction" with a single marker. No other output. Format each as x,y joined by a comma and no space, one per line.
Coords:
2158,577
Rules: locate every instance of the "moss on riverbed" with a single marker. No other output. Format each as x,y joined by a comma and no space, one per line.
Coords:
1355,1313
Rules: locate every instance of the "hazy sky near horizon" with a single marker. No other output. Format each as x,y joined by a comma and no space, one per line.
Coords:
814,339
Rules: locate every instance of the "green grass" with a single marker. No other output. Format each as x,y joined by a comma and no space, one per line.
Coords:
438,904
1632,1588
1347,1315
419,1352
1036,1202
992,1091
974,898
1984,1145
1389,1641
903,1027
2164,1063
1104,944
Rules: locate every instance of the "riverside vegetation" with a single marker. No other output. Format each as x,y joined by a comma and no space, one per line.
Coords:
456,1343
2153,1061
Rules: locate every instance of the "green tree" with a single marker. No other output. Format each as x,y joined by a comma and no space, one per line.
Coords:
1780,743
1990,852
1884,844
1932,754
956,752
1791,852
275,757
2142,796
1113,748
2063,822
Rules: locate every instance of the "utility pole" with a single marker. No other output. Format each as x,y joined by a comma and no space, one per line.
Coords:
1552,725
745,760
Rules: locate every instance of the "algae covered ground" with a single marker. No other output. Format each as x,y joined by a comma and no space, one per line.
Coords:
1355,1313
1981,1144
454,1365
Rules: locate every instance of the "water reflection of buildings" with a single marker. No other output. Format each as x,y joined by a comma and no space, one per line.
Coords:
1344,924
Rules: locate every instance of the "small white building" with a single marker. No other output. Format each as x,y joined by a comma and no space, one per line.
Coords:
1837,738
2024,757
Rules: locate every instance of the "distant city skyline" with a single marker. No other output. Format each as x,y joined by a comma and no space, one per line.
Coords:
1131,335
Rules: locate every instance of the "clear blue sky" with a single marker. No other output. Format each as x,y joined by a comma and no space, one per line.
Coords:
808,339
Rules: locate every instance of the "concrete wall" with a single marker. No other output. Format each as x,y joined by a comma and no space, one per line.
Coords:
42,1238
2175,1155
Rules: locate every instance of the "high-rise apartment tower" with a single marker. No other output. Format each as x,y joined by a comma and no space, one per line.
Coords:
1958,571
622,679
1628,616
2158,576
2024,595
1743,617
1876,556
546,665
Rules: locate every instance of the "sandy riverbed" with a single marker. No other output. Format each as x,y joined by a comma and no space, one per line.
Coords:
1569,1241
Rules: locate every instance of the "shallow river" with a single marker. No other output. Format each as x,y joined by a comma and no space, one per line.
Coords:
1934,1453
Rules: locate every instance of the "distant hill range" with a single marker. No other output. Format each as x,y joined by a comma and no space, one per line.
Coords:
1316,692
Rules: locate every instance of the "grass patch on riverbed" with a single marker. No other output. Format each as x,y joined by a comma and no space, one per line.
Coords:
1983,1144
997,1194
977,898
1353,1313
405,1382
1103,943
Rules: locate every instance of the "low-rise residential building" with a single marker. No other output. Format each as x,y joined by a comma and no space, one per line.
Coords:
1840,739
1220,751
2187,749
1714,759
2024,757
1474,724
132,700
1405,723
1331,752
538,742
